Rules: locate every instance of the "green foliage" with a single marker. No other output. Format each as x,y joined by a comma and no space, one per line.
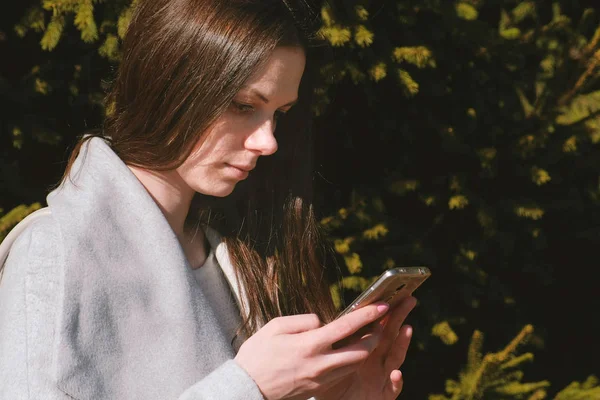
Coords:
466,11
495,375
53,32
478,125
589,389
499,375
444,331
33,19
418,56
84,21
14,216
80,13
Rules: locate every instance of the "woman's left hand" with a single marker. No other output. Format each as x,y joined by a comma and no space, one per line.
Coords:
378,378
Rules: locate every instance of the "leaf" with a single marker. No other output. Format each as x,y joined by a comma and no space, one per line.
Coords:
533,213
411,87
517,361
522,11
466,11
356,283
14,216
443,331
34,19
336,35
110,47
361,13
353,263
528,109
342,246
53,33
17,141
376,232
124,21
378,71
84,21
580,108
363,37
570,145
540,176
419,56
511,33
517,388
41,86
458,202
327,15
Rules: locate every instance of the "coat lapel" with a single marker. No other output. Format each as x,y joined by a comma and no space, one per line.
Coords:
133,320
222,256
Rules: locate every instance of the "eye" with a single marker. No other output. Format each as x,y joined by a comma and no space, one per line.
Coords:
241,107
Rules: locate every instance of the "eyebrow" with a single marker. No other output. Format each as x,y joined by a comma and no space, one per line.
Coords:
264,98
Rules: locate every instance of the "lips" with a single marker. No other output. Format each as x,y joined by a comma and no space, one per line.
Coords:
246,168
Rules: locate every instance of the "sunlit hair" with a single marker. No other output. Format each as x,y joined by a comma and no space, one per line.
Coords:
183,63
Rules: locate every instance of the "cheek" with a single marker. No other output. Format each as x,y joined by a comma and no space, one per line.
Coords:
207,148
222,143
234,127
226,141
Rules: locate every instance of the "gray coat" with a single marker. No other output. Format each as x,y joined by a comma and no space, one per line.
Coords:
97,300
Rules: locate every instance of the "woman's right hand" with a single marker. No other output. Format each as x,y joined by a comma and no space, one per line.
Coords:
292,357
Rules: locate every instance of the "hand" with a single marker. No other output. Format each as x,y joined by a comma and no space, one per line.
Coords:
378,378
292,357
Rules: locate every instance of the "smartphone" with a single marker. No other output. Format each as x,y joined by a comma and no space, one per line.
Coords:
392,286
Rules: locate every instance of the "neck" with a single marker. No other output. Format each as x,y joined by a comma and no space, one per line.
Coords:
170,193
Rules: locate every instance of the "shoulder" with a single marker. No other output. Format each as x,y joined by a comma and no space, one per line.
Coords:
29,297
38,240
36,248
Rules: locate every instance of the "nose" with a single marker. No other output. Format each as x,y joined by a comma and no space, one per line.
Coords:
262,139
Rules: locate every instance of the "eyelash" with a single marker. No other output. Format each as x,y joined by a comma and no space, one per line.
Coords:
247,108
243,107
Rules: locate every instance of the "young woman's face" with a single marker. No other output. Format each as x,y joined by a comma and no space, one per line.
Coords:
246,130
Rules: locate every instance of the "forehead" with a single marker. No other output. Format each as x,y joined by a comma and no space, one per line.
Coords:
281,73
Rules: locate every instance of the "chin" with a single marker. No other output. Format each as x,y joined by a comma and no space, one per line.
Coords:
222,191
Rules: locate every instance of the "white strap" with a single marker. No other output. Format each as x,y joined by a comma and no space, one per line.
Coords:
14,233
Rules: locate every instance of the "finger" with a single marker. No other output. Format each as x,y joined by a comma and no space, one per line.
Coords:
375,327
397,317
350,323
350,355
294,324
394,385
383,321
399,313
397,354
337,375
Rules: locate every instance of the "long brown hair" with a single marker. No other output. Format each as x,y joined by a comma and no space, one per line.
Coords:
183,63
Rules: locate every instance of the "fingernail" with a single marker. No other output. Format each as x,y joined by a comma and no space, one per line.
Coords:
409,331
383,307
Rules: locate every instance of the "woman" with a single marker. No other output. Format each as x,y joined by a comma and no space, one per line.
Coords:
119,293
